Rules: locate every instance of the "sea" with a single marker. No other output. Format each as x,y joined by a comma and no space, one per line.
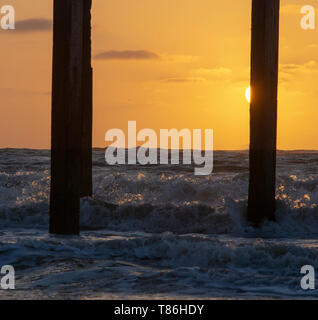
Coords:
159,231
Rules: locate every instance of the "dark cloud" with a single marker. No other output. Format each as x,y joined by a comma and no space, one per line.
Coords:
127,55
33,25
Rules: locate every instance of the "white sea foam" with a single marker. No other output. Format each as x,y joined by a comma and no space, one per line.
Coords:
160,231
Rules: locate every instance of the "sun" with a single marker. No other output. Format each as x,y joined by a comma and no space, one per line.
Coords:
248,94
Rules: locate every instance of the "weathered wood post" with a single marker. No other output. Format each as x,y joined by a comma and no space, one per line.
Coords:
87,107
263,110
71,92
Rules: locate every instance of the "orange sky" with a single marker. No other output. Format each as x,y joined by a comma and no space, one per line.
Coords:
192,71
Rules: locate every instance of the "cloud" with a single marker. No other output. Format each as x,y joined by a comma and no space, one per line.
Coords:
184,80
310,66
215,73
178,58
293,72
127,55
204,75
33,25
144,55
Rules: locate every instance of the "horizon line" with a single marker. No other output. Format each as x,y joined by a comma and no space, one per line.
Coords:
181,150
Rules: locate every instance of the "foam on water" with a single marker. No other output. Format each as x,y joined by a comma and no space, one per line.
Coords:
160,231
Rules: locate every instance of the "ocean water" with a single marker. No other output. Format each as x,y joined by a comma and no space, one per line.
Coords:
155,232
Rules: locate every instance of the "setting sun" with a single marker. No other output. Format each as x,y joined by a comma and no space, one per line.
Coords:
248,94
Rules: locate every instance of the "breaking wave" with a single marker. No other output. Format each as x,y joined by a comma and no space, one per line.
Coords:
160,231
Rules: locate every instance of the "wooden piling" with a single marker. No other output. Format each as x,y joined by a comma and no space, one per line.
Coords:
67,104
87,106
263,110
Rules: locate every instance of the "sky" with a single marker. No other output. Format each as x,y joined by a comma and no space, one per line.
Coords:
165,64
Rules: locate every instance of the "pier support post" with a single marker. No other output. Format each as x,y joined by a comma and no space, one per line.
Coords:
86,189
263,110
71,114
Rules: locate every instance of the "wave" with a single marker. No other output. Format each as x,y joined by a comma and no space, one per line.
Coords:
164,198
135,262
160,230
